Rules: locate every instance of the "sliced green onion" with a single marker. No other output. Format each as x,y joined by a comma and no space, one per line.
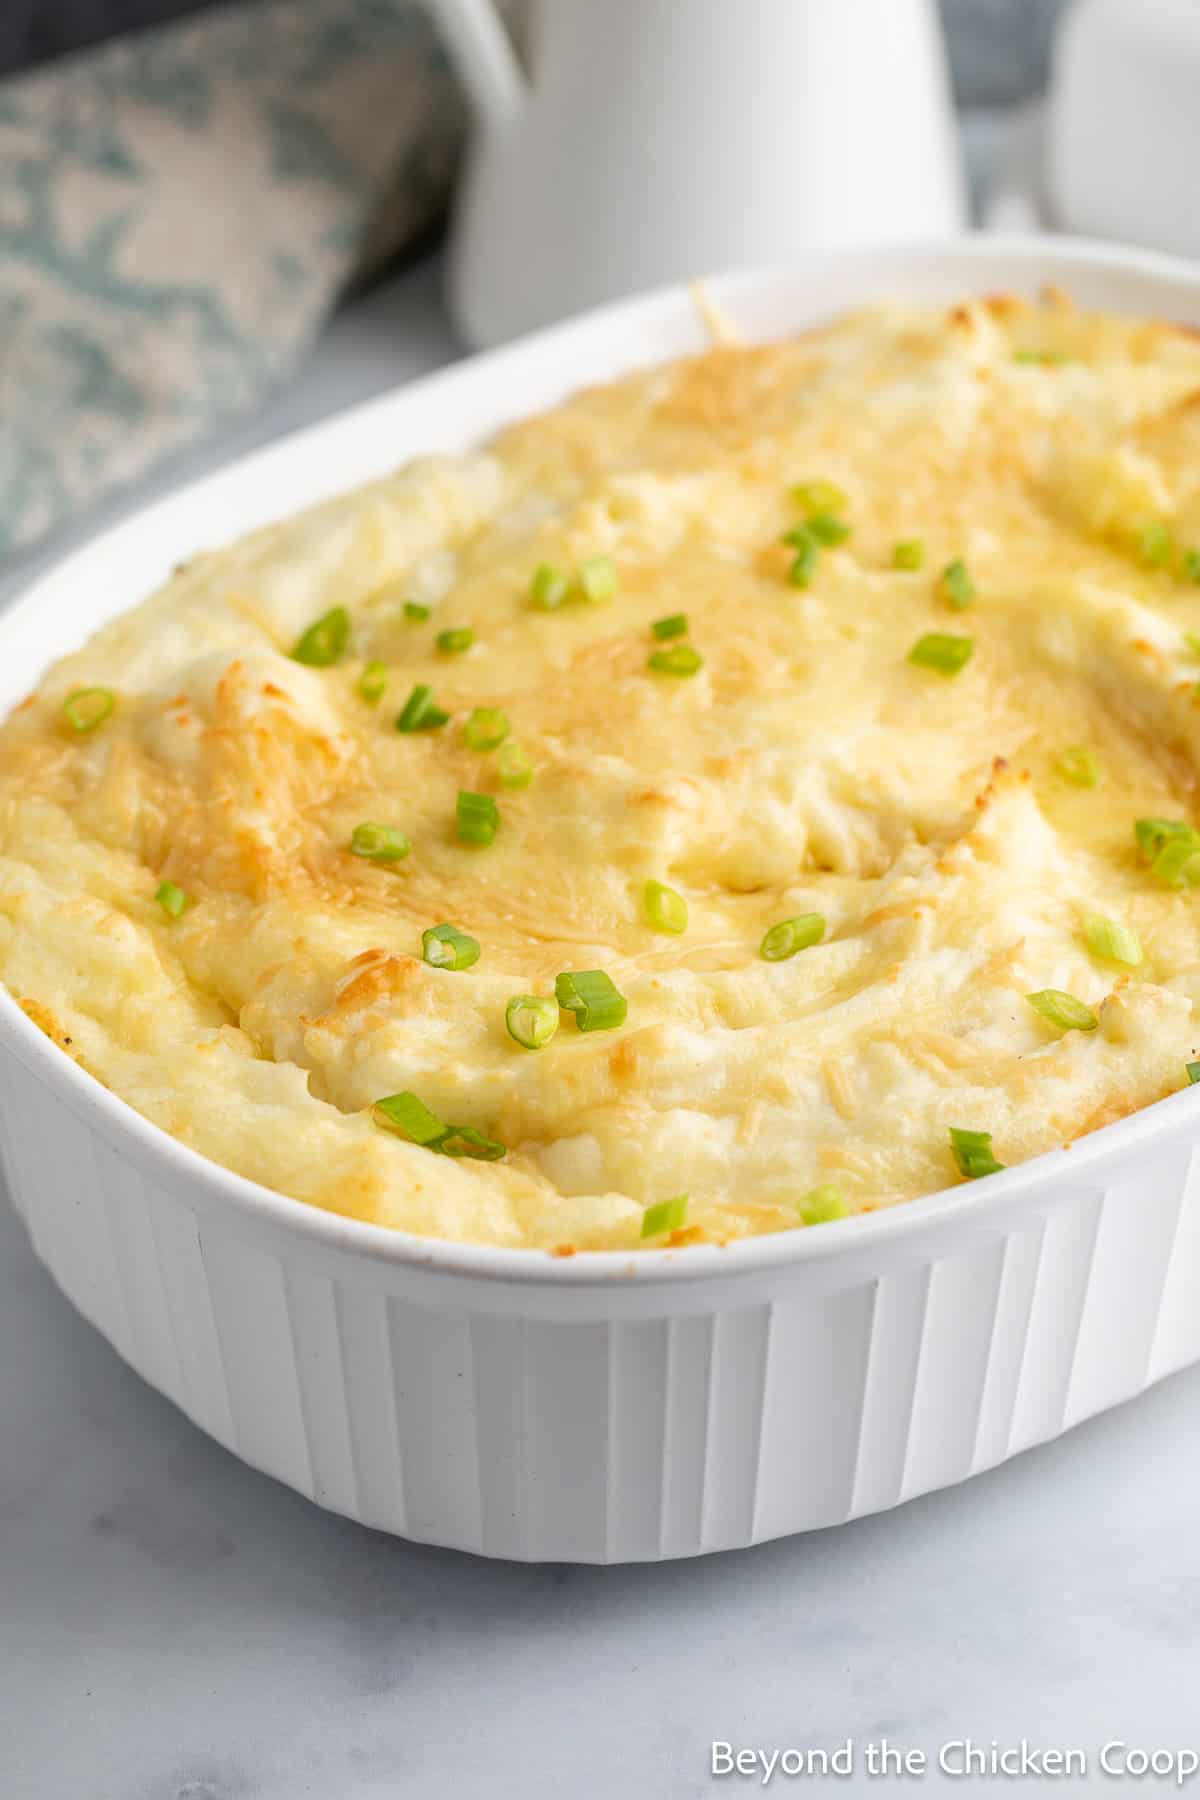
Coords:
1047,358
88,707
1063,1010
1178,862
172,899
548,587
1192,638
804,563
372,683
486,728
1152,834
827,529
680,659
822,1204
1079,766
790,935
909,553
941,651
415,613
1191,566
411,1116
972,1151
1193,1072
379,843
406,1113
455,640
1115,943
478,818
819,497
531,1020
446,947
668,1215
419,712
674,625
325,641
665,909
1153,544
1172,847
957,586
598,578
464,1140
592,997
515,765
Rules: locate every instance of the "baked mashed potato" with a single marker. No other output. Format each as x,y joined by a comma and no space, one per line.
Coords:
759,790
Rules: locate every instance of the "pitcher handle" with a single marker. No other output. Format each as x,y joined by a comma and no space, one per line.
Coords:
481,50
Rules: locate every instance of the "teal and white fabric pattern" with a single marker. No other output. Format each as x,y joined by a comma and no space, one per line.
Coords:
178,212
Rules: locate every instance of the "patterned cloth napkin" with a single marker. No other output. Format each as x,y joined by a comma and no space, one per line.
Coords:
178,212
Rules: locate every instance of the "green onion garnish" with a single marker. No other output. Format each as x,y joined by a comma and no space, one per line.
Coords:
1192,638
668,1215
406,1113
419,712
372,683
1172,847
88,707
446,947
909,553
957,586
413,1118
674,625
1178,862
531,1020
665,909
827,529
1153,544
941,651
804,563
972,1152
464,1140
379,843
172,899
1193,1072
1047,358
592,997
1115,943
415,613
548,587
455,640
1191,566
515,765
822,1204
819,497
1152,834
486,728
478,818
324,643
680,659
790,935
1079,766
1063,1010
598,578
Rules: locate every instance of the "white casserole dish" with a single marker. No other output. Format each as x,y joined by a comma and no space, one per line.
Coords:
605,1407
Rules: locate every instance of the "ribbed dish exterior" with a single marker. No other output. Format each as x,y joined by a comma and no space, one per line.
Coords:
631,1420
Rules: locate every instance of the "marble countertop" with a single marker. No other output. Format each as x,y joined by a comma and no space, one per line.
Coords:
174,1626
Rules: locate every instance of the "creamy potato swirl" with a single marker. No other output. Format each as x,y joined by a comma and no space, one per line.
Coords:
957,833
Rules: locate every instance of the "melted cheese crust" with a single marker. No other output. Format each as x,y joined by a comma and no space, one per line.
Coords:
809,766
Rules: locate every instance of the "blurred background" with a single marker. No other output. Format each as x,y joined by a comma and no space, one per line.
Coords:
998,48
195,193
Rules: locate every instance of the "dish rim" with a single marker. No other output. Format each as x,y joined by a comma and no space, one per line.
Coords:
119,1122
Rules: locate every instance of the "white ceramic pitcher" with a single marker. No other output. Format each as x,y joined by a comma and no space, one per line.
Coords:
654,140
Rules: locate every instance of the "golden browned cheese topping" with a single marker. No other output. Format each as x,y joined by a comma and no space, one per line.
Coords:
960,817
